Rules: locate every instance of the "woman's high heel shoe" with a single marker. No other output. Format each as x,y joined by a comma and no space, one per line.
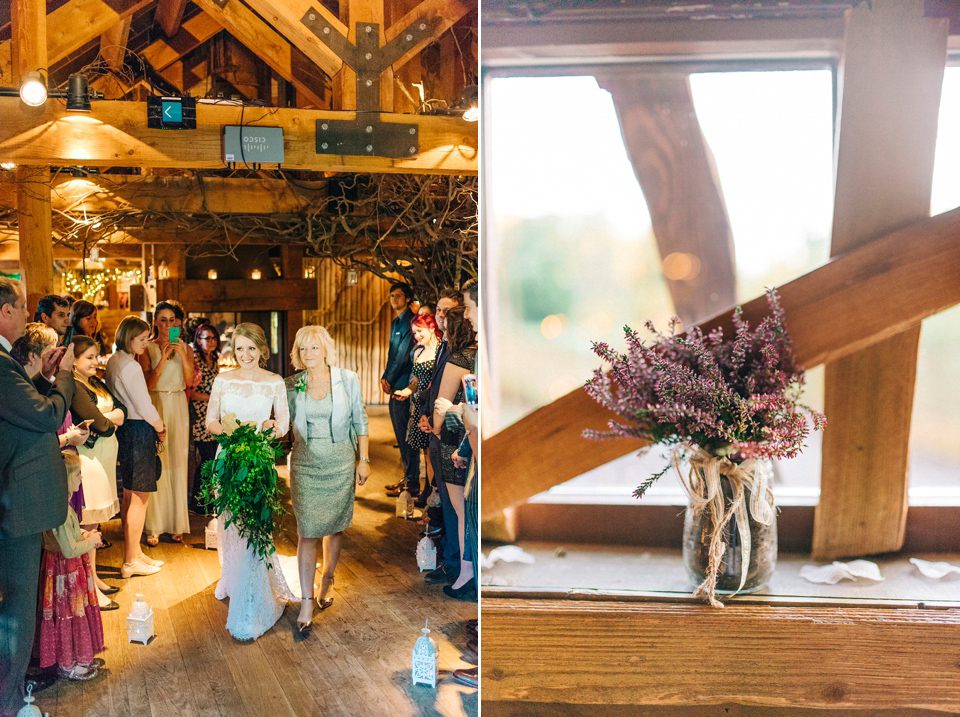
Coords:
324,603
304,628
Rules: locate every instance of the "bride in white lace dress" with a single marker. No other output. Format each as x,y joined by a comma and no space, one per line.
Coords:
257,594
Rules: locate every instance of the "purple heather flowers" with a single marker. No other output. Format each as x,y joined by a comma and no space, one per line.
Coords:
737,398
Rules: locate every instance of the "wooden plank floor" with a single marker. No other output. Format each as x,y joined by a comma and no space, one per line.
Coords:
356,662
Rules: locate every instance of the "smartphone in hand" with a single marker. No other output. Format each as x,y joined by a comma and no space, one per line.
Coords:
470,390
68,336
173,334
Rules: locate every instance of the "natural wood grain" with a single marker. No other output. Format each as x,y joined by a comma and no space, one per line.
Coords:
168,15
239,294
29,31
542,709
285,16
665,654
237,19
163,52
857,299
356,662
891,75
449,12
223,195
74,24
113,43
679,179
113,134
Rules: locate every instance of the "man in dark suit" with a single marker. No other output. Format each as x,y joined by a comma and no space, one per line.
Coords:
33,486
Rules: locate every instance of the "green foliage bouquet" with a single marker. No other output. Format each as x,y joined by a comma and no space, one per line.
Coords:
241,484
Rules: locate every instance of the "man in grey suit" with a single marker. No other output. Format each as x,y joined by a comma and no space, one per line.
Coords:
33,486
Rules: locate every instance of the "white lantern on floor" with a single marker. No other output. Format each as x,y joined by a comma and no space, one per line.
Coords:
29,709
140,621
211,540
405,504
426,553
424,668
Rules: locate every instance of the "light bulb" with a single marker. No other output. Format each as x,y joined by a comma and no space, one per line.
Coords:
33,90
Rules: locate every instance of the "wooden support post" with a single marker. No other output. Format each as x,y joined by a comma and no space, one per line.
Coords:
292,268
29,53
351,13
891,76
678,176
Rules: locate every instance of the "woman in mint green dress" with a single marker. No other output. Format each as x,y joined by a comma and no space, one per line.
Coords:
331,456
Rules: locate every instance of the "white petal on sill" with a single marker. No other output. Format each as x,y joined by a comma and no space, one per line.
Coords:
510,554
864,569
934,570
837,571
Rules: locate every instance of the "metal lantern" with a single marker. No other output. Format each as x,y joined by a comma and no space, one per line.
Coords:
29,709
405,504
140,621
426,553
211,540
424,668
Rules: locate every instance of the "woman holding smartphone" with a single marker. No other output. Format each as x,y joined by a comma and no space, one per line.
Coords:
168,369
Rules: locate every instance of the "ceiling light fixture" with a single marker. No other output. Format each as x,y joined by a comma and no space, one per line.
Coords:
33,89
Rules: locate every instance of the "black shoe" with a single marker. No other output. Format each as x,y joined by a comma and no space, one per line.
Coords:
466,592
440,576
113,589
40,680
395,486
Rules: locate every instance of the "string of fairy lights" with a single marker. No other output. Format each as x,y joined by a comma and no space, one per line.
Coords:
89,284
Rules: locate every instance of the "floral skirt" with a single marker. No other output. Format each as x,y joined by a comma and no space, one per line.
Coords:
69,630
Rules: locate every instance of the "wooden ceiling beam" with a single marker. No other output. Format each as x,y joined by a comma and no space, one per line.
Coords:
859,298
194,32
113,43
114,135
286,60
73,25
169,14
286,16
98,194
448,11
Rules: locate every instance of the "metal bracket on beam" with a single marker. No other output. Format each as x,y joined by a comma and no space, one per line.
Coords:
370,138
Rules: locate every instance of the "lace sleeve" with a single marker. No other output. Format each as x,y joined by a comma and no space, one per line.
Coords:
281,410
213,405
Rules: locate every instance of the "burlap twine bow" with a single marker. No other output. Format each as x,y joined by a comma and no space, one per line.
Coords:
703,488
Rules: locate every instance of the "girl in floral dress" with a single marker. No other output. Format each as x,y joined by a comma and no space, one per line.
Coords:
69,631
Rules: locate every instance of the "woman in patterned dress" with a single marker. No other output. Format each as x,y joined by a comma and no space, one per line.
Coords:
206,351
426,335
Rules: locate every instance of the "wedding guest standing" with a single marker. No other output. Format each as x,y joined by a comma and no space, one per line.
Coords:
85,321
206,351
168,368
53,311
70,631
461,343
331,455
138,466
94,402
396,376
426,336
33,486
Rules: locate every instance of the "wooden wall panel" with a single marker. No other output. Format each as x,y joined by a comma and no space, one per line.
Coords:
358,317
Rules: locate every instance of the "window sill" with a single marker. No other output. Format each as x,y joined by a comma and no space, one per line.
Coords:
629,633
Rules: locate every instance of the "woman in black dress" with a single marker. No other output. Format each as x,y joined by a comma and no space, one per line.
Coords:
206,352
